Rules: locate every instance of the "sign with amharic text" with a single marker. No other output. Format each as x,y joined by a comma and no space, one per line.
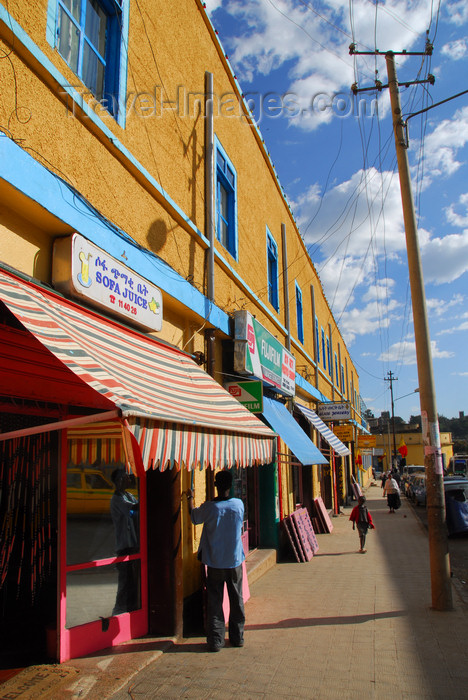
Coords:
87,272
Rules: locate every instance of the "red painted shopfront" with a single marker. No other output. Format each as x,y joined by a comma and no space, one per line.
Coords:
82,397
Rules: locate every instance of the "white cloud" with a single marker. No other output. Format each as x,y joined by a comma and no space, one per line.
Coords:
457,12
455,329
404,353
379,291
455,50
455,218
362,214
313,44
367,319
445,259
212,5
439,307
443,143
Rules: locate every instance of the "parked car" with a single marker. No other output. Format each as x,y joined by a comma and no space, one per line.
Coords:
456,500
418,489
456,504
407,484
408,471
89,492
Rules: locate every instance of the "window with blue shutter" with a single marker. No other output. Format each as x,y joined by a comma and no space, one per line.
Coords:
299,315
226,201
272,271
89,38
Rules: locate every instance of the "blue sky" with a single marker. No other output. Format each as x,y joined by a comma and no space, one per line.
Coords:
337,164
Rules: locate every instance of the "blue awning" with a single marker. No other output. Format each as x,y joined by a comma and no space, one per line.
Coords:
282,422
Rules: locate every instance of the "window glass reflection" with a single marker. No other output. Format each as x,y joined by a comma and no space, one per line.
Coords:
102,592
96,529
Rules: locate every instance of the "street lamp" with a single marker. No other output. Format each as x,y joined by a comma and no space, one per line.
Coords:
415,391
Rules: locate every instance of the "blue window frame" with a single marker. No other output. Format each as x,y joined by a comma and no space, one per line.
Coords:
317,340
226,201
89,35
324,353
272,271
299,315
343,389
329,357
337,376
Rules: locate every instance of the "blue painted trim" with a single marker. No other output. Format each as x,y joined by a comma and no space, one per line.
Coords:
29,177
51,27
310,389
361,427
272,250
299,315
218,147
21,36
122,118
69,90
120,70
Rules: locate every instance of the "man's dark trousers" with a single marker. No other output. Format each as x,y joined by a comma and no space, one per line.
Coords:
216,578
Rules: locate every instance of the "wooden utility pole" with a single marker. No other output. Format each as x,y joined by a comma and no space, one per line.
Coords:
438,542
391,378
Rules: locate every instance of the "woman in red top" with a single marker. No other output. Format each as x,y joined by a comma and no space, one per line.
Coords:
361,517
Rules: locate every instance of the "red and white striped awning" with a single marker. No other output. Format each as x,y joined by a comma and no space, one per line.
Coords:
174,410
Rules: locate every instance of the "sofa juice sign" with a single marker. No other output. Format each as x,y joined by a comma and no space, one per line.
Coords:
105,282
260,354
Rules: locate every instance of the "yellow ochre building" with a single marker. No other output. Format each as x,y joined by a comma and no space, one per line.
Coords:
159,314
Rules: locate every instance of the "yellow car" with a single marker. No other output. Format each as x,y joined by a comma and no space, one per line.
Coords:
88,492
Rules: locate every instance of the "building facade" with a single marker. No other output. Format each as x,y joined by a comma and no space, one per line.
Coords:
150,266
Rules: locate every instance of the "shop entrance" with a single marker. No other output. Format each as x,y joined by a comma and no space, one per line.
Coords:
103,595
28,531
245,487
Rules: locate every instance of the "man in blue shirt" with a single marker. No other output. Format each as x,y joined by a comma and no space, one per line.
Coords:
222,552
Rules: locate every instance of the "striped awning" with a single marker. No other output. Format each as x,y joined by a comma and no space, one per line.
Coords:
176,413
99,442
318,423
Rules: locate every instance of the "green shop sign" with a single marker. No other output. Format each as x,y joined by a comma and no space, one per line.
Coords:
259,354
249,394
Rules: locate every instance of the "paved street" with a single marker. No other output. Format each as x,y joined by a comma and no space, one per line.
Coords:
344,625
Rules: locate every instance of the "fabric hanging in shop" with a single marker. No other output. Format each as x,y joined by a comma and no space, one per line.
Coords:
318,423
174,410
279,418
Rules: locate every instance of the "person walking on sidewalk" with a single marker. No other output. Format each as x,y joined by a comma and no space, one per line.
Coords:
392,492
361,518
222,552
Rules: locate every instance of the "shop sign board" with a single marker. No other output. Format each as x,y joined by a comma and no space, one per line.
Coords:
367,441
259,354
249,394
87,272
333,411
345,433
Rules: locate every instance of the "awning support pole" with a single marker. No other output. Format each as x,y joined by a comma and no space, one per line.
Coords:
59,425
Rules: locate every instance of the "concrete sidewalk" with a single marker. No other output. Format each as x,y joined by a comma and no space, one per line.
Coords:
344,625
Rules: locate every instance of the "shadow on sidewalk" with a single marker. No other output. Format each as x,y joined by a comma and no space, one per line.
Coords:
323,621
335,554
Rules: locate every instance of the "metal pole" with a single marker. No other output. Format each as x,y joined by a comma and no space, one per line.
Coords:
438,544
393,423
210,234
287,321
209,178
